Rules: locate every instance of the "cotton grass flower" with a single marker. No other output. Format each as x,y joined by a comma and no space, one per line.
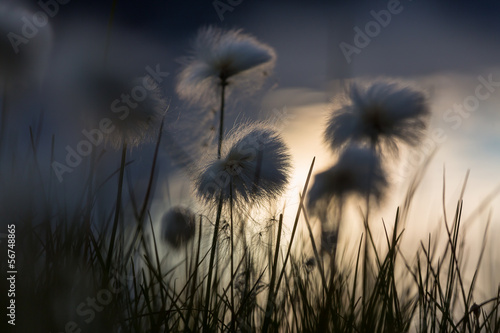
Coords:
358,171
141,124
255,166
131,111
135,106
223,58
179,225
381,114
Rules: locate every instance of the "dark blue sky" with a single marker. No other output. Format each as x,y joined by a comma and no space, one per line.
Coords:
428,36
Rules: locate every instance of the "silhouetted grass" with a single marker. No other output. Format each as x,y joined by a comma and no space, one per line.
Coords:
223,282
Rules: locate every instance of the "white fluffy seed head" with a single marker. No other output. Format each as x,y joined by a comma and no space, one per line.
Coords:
255,165
133,107
179,225
223,57
142,122
382,114
358,171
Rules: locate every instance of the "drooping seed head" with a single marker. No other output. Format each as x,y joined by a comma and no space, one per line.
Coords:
381,114
223,57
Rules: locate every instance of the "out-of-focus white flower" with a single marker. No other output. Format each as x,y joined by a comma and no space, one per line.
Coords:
358,171
25,43
382,114
310,264
255,165
179,225
223,58
134,106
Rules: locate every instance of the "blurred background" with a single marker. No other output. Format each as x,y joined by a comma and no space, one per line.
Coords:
449,49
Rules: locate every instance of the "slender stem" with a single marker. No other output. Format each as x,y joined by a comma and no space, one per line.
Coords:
152,173
195,274
211,265
124,148
117,207
325,314
149,191
221,121
232,256
337,230
366,259
294,229
90,192
271,295
108,32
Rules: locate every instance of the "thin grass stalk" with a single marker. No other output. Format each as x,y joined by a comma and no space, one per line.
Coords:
367,231
140,219
297,216
315,250
271,295
122,166
117,208
325,313
108,31
233,319
355,284
304,191
195,275
479,261
211,265
157,258
89,207
365,261
221,120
